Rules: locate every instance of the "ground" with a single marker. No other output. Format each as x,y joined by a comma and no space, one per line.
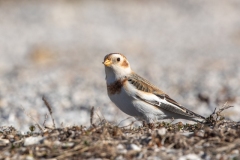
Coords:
216,138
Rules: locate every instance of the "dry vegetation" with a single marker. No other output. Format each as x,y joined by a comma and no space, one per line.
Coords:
216,139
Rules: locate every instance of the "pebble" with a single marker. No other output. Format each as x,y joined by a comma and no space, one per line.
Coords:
190,157
135,147
67,145
4,142
33,140
162,131
200,133
121,149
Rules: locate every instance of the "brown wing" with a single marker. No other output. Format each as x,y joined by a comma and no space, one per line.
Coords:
144,85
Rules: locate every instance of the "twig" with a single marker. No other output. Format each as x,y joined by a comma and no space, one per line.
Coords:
128,124
71,152
228,147
100,119
91,116
36,123
216,117
123,120
45,119
49,109
225,106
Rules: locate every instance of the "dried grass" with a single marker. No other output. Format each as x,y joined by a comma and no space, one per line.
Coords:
215,139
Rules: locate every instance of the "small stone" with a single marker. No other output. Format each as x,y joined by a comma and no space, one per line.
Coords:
121,149
4,142
187,133
67,145
29,158
200,133
57,143
235,152
162,131
120,157
32,140
135,147
190,157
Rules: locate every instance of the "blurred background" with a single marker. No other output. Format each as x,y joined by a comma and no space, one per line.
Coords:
190,49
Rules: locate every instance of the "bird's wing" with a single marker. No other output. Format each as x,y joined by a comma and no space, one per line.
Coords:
171,105
163,102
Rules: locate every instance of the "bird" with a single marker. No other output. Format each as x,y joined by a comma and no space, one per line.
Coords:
139,98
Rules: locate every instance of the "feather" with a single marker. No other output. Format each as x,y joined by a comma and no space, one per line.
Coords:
165,101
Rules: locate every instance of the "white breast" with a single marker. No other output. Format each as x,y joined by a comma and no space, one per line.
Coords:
129,104
124,102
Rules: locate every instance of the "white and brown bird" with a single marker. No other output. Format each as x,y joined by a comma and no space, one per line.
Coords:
139,98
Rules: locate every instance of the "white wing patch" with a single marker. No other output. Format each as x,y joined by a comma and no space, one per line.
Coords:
164,104
172,107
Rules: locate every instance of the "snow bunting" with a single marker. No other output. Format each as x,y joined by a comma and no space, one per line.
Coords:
139,98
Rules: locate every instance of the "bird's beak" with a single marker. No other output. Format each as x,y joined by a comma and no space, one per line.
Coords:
107,62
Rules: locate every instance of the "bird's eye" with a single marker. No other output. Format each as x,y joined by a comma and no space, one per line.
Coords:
118,59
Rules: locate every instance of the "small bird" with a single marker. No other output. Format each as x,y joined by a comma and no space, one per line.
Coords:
139,98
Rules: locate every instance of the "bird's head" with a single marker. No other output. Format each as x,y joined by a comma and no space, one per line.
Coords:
116,66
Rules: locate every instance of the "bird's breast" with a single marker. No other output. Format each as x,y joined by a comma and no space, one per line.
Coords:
115,87
122,97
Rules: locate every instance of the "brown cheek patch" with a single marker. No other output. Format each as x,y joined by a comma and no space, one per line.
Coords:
125,64
115,88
